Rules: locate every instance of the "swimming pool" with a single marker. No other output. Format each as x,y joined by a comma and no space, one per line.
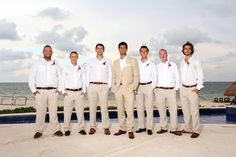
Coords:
208,116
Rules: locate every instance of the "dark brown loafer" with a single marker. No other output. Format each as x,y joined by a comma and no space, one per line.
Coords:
149,132
194,135
107,131
140,130
67,133
131,135
120,132
82,132
186,132
177,133
161,131
37,135
92,131
58,133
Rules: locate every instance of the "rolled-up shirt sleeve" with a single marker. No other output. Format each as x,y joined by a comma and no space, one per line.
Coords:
32,78
177,78
199,75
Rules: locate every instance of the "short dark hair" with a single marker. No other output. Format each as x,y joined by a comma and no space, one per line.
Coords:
100,44
162,50
74,52
188,44
46,47
144,47
123,43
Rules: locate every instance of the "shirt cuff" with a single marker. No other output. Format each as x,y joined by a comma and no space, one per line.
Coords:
34,90
63,91
199,87
176,88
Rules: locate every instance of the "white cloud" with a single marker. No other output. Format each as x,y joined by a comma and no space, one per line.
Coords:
15,65
9,55
8,30
219,61
220,8
181,35
54,13
64,40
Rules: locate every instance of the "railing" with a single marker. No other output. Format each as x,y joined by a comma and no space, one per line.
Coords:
13,100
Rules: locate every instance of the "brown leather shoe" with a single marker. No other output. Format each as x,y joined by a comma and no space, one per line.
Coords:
92,131
67,133
161,131
107,131
140,130
149,132
58,133
194,135
186,132
82,132
37,135
131,135
178,133
120,132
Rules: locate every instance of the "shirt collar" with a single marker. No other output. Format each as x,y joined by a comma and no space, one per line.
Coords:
166,63
124,59
146,62
103,58
190,60
76,66
48,62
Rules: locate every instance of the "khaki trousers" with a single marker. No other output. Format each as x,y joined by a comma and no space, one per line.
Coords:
74,100
46,98
163,97
144,101
190,108
125,102
98,94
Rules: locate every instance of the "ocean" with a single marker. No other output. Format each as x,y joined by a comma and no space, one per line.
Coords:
209,92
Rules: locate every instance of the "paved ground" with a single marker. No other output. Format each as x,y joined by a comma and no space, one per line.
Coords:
216,140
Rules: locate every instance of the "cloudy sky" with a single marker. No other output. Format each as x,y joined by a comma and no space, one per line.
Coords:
27,25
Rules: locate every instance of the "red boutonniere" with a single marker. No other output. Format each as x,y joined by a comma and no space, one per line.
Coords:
147,64
104,63
169,65
53,63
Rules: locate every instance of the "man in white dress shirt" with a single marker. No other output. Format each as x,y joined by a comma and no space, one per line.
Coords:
98,76
192,83
73,88
165,92
148,78
43,82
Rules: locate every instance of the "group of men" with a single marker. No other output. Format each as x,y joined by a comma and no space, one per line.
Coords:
128,79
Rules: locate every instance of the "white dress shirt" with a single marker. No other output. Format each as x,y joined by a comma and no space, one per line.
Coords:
99,71
73,77
123,63
44,74
168,75
147,72
191,73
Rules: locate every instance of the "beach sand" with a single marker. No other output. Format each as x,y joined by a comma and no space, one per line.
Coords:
216,140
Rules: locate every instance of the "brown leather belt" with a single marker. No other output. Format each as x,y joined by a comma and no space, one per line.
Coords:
145,83
97,83
189,86
74,90
46,88
166,87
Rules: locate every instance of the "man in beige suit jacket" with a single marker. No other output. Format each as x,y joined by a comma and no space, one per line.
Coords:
125,80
